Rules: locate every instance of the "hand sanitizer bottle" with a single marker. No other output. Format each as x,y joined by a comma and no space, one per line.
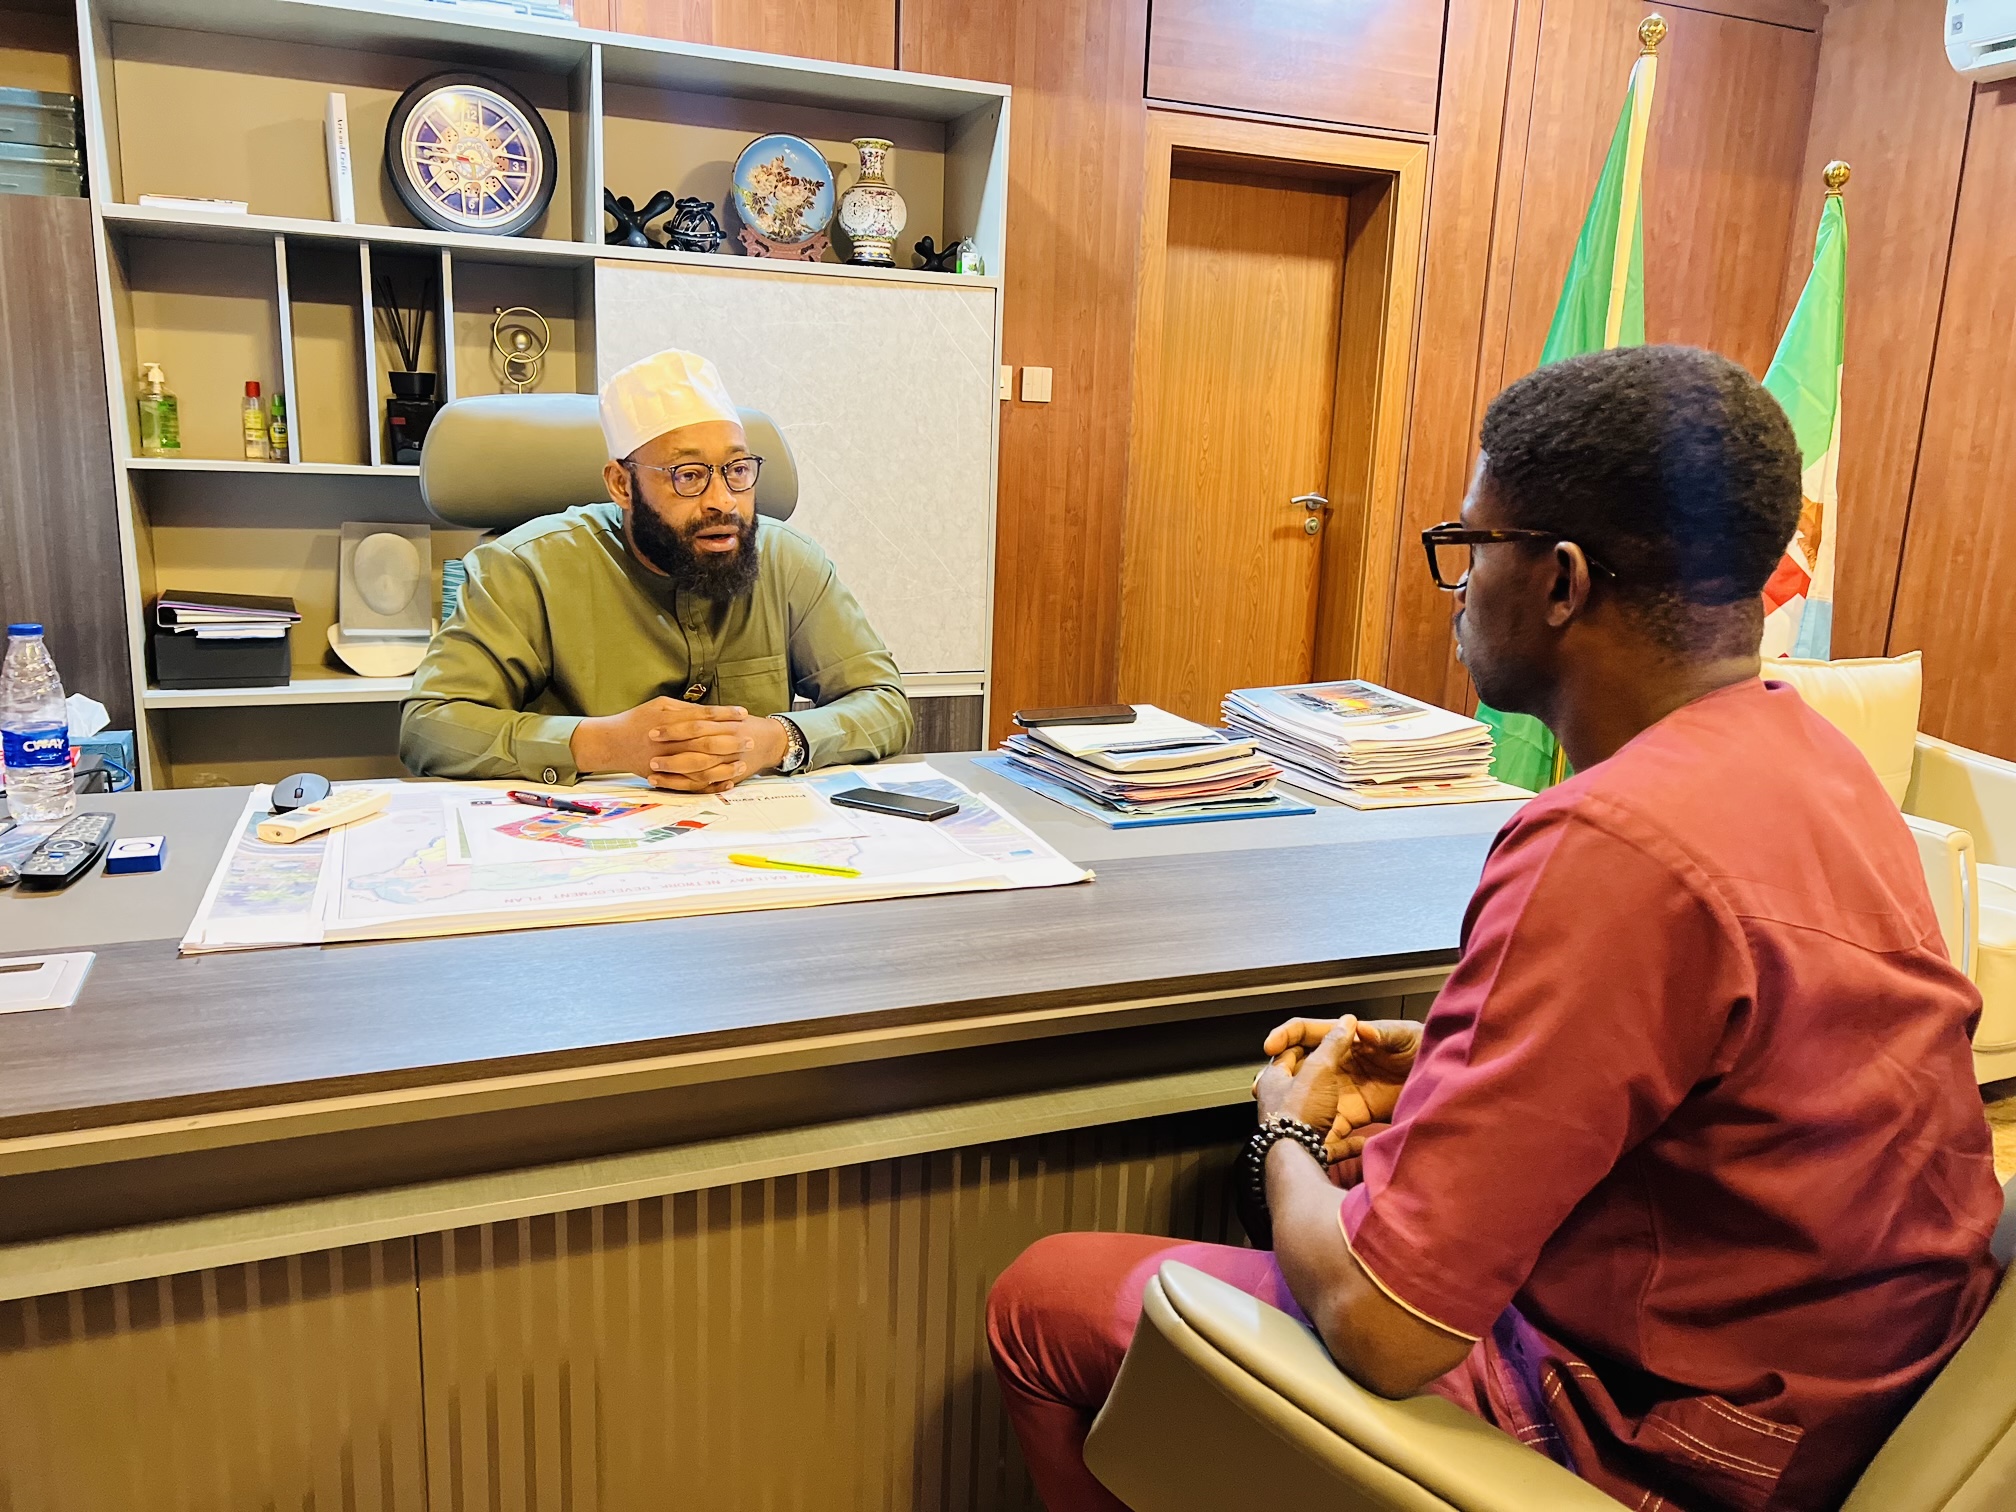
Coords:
255,424
160,421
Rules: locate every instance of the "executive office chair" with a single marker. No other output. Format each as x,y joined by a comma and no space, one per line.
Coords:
1224,1402
497,460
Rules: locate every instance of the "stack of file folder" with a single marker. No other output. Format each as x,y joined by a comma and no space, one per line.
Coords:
1368,746
221,640
1158,765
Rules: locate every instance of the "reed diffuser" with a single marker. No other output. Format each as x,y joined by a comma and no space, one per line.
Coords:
411,409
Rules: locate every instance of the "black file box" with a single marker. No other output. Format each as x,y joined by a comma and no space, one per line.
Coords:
183,659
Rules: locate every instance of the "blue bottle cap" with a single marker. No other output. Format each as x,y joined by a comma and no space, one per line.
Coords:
24,628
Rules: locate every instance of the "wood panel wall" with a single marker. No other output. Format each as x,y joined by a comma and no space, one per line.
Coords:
838,31
59,530
1075,162
1957,579
1356,62
1530,96
1890,106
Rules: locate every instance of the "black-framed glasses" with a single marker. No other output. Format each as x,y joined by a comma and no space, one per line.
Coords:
689,480
1448,547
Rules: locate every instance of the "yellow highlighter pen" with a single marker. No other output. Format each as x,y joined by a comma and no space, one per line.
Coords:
765,863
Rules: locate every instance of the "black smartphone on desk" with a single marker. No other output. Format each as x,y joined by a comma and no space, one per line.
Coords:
1083,714
902,805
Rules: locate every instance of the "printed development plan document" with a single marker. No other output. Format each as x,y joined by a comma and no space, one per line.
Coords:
448,858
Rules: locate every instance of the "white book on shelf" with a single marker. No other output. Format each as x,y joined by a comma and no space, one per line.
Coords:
342,184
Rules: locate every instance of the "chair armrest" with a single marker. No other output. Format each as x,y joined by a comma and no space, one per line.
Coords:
1970,791
1422,1451
1947,854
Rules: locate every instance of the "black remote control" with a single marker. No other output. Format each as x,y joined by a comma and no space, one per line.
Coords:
68,854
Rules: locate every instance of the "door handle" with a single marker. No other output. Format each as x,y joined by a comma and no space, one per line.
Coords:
1311,502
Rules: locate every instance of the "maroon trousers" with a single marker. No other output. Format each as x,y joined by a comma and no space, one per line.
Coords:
1060,1319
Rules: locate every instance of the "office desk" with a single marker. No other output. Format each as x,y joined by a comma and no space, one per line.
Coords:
556,1108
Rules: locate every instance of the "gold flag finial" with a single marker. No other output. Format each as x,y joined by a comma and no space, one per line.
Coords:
1835,176
1651,32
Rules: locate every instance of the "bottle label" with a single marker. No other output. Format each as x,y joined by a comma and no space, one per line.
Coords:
27,749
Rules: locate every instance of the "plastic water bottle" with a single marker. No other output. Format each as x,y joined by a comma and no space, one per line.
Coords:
34,730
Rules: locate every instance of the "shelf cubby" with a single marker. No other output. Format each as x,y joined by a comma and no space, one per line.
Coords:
253,129
211,316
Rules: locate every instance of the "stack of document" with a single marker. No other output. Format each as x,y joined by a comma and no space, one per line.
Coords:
1159,764
1368,746
226,616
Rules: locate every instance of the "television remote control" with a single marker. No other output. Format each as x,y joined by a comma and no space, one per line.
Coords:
68,854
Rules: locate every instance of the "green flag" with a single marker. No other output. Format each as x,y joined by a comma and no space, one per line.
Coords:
1805,377
1602,305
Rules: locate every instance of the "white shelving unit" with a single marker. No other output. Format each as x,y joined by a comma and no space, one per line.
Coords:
223,99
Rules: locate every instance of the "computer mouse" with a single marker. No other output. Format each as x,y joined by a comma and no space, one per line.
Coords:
9,875
298,791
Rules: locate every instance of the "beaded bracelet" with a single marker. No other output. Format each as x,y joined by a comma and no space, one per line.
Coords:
1253,1211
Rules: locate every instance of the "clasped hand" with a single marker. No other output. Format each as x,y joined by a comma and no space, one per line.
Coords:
1340,1075
690,748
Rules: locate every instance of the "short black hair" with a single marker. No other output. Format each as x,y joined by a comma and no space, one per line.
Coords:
1669,465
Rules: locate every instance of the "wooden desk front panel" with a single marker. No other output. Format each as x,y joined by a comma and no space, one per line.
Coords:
816,1340
288,1383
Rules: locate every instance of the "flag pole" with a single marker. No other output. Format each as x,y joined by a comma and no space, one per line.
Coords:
1644,80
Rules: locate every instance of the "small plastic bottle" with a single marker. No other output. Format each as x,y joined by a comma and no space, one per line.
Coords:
160,419
34,730
276,428
255,424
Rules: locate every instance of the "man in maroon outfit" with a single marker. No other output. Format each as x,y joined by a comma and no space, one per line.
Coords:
1684,1182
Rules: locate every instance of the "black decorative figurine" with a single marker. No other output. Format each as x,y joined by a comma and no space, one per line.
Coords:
630,221
693,227
936,260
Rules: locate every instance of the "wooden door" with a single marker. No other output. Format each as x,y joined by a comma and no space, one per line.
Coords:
1220,576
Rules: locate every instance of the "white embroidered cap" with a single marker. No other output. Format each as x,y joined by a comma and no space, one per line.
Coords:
660,394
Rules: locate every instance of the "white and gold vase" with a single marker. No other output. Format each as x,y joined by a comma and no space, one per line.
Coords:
872,212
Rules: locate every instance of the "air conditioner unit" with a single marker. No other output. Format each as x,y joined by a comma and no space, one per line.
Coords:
1981,39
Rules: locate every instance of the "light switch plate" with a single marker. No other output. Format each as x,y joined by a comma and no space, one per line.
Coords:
1035,385
1007,381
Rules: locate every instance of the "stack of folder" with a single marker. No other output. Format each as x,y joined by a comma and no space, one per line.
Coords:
221,640
1368,746
1159,764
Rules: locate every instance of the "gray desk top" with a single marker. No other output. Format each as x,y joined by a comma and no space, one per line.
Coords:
1188,908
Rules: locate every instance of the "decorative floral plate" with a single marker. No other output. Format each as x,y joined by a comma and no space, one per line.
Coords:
784,189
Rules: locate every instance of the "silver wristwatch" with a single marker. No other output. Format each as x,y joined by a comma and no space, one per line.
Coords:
795,749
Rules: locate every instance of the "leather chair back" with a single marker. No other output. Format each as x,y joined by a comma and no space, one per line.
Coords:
1956,1450
494,461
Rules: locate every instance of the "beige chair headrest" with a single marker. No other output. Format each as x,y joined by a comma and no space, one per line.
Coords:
497,460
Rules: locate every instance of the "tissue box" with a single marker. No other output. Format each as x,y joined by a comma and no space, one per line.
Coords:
114,748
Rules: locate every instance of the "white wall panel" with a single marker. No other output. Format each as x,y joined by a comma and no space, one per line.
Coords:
887,393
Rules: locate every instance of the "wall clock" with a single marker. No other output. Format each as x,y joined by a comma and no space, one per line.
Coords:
469,153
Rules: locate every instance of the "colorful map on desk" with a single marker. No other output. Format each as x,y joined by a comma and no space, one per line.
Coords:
402,874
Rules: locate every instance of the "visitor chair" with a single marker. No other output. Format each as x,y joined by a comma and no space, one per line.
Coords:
1224,1402
1961,807
494,461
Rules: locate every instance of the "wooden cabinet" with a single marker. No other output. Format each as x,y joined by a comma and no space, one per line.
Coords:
1357,62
